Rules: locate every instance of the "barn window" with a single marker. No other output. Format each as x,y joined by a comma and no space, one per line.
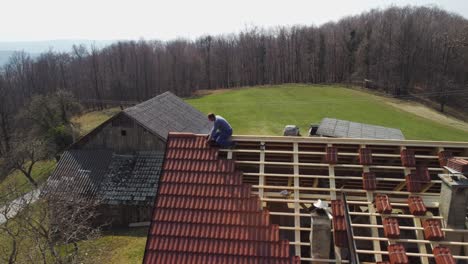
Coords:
123,132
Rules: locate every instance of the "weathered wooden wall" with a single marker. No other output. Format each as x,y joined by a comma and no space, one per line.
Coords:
122,135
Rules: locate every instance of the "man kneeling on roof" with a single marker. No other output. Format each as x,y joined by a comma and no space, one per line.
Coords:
220,133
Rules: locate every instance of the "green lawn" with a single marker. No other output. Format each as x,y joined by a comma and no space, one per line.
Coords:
266,110
117,247
91,120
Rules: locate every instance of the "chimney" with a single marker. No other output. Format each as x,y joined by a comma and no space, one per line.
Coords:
453,205
320,239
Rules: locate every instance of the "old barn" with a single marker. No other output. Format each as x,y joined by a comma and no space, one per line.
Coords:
119,162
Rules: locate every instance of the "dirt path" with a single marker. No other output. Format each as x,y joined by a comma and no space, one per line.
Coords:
428,113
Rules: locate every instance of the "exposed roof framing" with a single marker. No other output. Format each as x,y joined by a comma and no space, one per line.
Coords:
290,173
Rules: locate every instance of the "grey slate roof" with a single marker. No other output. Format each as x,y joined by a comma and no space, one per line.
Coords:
113,179
132,179
331,127
79,172
168,113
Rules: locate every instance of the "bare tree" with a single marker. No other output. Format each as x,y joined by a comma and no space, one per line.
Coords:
47,230
25,155
399,49
11,226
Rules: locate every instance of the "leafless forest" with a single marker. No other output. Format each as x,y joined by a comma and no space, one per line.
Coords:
399,50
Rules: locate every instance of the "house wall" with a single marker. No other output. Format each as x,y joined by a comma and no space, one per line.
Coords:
122,135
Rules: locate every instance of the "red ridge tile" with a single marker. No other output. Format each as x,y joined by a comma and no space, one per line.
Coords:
339,223
337,207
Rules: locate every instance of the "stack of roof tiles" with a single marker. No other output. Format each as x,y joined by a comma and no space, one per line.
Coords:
391,227
443,255
339,223
369,181
331,155
416,205
397,254
382,204
433,229
365,156
408,158
204,214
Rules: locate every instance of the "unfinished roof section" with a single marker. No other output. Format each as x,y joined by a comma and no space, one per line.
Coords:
167,112
393,191
330,127
205,214
114,179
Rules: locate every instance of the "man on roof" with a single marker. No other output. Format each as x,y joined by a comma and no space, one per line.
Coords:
221,132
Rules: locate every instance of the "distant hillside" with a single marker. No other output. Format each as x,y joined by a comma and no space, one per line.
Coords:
5,55
34,48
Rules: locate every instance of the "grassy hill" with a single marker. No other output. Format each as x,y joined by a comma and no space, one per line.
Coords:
266,110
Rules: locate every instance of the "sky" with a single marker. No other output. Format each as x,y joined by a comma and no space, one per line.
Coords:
37,20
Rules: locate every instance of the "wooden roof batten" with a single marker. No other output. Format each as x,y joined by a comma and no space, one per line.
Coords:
269,161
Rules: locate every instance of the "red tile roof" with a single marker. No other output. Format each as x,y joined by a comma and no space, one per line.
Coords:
204,214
